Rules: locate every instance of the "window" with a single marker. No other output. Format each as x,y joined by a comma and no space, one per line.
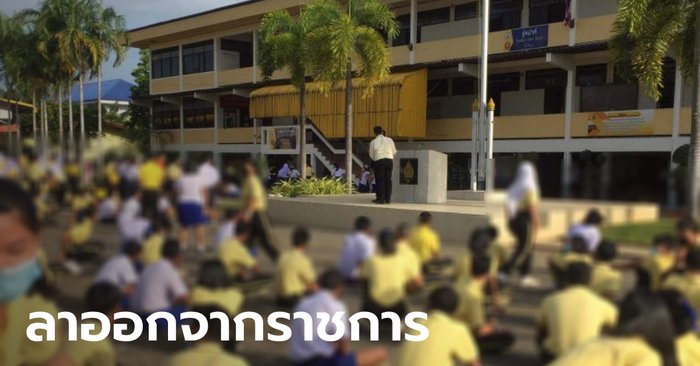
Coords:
437,88
543,79
466,11
546,11
198,57
588,75
464,86
165,63
505,14
404,36
669,80
435,16
198,113
502,83
242,48
165,116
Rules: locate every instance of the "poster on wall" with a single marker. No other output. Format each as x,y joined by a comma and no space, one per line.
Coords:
622,123
527,38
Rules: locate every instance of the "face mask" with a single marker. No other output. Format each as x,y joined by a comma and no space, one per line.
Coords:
17,280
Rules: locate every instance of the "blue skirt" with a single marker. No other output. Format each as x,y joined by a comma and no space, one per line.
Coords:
191,214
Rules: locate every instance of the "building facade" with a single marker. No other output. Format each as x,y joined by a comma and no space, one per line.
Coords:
559,100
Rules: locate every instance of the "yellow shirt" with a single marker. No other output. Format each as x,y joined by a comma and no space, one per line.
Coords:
562,260
81,202
229,299
112,174
688,349
235,256
471,303
404,251
689,285
387,277
174,172
84,353
449,341
572,317
15,348
81,232
72,170
151,176
657,266
496,253
426,242
253,190
206,353
152,248
294,271
611,352
606,280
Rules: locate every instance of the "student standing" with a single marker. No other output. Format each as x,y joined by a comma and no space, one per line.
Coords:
151,178
382,151
254,197
192,199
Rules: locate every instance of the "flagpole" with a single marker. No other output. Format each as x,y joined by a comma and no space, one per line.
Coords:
483,73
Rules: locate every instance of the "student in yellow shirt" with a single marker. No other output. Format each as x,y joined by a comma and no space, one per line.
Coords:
644,336
576,250
387,277
254,200
481,244
239,263
403,249
151,177
573,316
449,341
102,298
606,280
426,242
75,239
153,244
655,267
688,232
688,282
687,342
208,351
295,275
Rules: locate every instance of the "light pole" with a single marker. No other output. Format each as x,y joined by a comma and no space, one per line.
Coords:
490,164
475,150
483,73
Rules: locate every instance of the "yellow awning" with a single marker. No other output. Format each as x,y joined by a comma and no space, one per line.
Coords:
17,102
398,104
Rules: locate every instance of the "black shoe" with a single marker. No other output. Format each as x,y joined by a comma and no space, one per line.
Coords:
387,202
379,202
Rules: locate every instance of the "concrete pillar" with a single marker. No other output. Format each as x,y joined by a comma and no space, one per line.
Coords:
181,147
568,113
672,195
413,32
525,14
574,15
255,56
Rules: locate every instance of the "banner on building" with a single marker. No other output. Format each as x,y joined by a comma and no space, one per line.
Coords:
622,123
527,38
8,128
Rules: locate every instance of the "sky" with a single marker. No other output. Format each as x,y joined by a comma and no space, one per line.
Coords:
137,13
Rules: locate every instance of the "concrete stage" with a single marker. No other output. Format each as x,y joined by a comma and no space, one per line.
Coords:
455,219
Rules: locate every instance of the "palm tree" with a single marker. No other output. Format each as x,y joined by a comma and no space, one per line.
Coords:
284,43
346,37
643,34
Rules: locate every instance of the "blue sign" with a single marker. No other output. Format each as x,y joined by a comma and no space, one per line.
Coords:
529,38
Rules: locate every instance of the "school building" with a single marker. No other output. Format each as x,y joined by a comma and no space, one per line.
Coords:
558,98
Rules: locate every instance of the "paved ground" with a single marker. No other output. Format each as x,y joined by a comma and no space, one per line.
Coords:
325,248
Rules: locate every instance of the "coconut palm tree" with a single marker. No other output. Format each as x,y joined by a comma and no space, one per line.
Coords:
644,33
350,36
284,44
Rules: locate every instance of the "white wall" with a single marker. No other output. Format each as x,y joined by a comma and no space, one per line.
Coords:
523,102
454,29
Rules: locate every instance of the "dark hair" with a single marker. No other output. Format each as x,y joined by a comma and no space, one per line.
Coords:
171,249
362,223
191,166
401,231
425,217
664,240
387,244
593,217
480,265
242,228
378,130
443,299
643,314
606,251
687,223
102,297
692,259
14,199
578,273
300,237
131,248
479,241
492,231
578,245
214,329
230,213
680,310
204,157
331,279
213,275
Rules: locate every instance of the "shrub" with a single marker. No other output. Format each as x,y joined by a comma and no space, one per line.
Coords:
310,187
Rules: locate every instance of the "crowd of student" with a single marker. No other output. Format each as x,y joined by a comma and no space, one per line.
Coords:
586,320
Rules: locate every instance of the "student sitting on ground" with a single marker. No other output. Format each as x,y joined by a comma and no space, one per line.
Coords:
161,288
227,227
472,309
357,248
656,266
131,225
403,250
687,342
688,283
295,275
120,270
153,245
481,244
75,239
82,201
207,351
576,250
387,276
606,281
103,298
449,341
688,234
240,264
425,241
318,352
589,230
572,316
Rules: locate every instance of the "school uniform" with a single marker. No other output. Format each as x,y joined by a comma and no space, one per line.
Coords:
294,271
496,254
425,242
229,299
118,271
84,353
190,202
387,277
235,257
357,248
152,248
151,176
606,280
687,284
159,285
610,351
688,349
15,348
261,230
657,267
206,353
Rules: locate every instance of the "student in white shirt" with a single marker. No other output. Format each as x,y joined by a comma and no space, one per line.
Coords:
120,270
363,185
589,230
192,190
284,172
358,247
338,172
318,351
294,174
227,227
382,151
131,225
161,288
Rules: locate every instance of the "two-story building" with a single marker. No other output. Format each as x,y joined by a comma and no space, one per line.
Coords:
559,100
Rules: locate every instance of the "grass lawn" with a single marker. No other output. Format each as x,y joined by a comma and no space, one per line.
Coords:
639,234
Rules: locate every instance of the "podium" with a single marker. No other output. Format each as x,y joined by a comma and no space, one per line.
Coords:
419,176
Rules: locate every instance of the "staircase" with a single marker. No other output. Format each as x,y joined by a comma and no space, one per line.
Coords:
326,153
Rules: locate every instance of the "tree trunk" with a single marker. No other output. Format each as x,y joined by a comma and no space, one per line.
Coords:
60,117
18,149
302,130
71,134
694,158
99,101
348,127
34,115
82,116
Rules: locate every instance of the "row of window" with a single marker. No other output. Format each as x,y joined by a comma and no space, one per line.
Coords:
197,113
197,57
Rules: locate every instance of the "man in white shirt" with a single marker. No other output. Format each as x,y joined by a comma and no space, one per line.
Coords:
161,287
382,152
317,351
358,247
120,270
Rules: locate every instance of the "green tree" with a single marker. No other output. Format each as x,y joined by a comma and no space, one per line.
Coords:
284,44
138,127
346,37
646,31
